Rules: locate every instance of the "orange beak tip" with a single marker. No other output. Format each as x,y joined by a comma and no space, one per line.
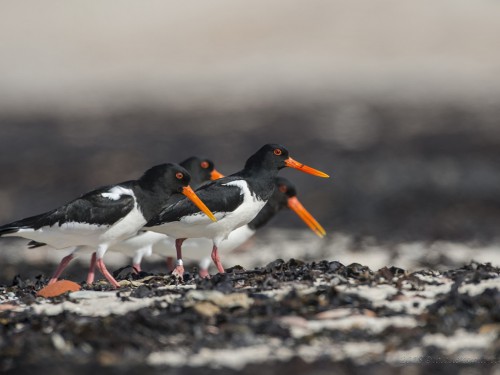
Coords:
304,168
311,222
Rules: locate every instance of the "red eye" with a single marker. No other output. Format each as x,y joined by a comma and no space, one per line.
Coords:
204,164
179,175
277,152
282,188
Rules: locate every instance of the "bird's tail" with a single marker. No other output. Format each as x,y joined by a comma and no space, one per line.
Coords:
14,227
8,229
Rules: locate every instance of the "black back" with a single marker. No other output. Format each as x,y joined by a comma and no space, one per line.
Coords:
216,197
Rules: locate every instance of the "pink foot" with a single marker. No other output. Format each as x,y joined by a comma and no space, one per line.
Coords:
178,271
204,273
137,267
107,275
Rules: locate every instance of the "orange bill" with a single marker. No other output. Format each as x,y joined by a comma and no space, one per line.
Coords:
296,206
304,168
215,175
188,192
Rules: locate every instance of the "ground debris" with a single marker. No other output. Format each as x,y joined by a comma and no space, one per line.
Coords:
311,312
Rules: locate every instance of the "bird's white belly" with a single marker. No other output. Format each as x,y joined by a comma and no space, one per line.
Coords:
196,226
124,228
64,236
199,225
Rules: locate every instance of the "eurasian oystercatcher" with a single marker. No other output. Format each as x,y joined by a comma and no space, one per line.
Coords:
144,243
235,201
107,215
284,196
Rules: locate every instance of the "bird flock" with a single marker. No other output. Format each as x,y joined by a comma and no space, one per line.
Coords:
187,206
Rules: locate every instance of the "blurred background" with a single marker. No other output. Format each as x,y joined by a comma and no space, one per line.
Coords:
398,102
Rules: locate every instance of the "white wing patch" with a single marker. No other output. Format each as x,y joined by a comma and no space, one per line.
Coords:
116,193
242,184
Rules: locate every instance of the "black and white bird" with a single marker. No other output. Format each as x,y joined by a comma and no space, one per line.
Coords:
284,196
144,243
103,217
235,201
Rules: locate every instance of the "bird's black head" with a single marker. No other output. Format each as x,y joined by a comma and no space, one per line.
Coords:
200,169
168,177
163,181
270,157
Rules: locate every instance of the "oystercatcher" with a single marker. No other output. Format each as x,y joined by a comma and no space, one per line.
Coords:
284,196
144,243
107,215
235,201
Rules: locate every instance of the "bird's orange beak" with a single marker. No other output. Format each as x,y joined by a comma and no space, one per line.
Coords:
188,192
296,206
215,175
304,168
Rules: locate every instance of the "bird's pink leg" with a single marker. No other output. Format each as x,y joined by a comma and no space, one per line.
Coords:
61,267
179,268
91,274
216,259
137,267
105,272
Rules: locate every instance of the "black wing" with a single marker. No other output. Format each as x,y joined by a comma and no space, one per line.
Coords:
216,196
91,208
